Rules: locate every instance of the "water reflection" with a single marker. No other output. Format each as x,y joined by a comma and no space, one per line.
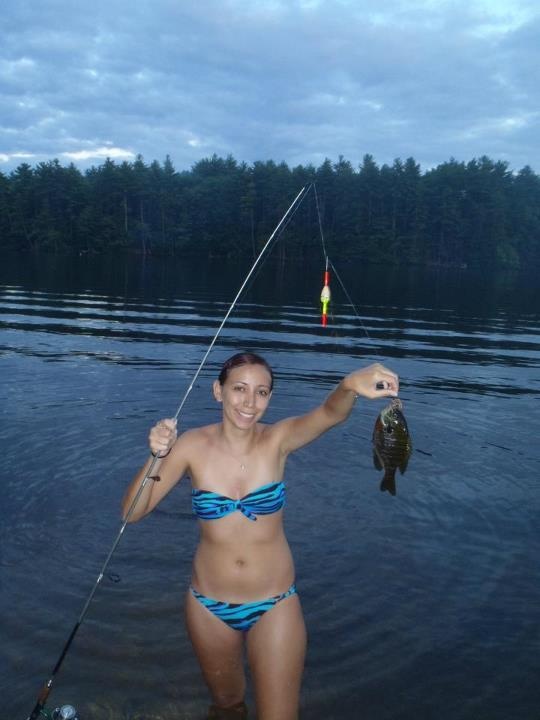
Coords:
428,593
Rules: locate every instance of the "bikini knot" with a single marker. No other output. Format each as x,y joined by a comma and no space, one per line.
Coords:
239,505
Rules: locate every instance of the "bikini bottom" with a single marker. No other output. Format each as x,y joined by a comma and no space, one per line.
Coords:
241,616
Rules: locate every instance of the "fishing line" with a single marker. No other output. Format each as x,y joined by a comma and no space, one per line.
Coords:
320,222
39,708
329,262
348,297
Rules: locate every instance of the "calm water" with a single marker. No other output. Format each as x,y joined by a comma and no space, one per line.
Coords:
424,605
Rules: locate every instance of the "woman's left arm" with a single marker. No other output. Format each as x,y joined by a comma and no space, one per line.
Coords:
370,382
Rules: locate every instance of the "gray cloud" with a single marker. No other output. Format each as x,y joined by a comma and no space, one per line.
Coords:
285,80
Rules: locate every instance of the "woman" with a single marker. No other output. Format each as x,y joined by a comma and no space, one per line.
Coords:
242,590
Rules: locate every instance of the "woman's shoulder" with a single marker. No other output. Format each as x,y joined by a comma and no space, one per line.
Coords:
202,434
271,432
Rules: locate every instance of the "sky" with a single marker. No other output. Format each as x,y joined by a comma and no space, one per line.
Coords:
296,81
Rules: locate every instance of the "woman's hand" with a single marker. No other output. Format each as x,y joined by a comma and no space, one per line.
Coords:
372,382
162,437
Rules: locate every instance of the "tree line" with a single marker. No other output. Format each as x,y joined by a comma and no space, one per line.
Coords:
474,213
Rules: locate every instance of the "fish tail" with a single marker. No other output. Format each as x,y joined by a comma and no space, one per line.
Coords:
388,483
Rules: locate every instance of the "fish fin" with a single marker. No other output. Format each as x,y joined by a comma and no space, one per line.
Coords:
377,460
405,462
388,483
403,465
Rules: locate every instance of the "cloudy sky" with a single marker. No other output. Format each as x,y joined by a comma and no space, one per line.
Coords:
287,80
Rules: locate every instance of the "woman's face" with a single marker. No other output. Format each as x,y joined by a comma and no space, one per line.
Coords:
245,394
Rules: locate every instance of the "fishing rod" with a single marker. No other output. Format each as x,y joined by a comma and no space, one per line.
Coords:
67,712
303,192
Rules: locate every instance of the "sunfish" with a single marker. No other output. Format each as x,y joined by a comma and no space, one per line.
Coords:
392,444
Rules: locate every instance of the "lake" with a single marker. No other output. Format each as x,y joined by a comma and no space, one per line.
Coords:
423,605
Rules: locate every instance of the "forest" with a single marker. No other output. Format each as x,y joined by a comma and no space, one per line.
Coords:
478,213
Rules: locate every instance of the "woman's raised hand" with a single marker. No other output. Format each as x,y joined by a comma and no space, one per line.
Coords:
373,381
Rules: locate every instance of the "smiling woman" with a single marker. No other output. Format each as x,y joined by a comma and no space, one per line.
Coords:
246,398
243,593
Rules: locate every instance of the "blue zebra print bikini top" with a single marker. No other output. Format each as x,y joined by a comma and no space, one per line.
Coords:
265,500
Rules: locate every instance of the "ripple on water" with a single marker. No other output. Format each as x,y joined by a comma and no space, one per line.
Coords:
417,605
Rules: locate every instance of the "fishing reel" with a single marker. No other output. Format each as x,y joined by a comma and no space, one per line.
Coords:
64,712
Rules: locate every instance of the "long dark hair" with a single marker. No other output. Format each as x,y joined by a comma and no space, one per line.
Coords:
244,358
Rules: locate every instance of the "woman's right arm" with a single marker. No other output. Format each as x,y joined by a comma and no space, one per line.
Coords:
370,382
166,471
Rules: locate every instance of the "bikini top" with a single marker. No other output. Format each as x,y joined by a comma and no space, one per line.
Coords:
265,500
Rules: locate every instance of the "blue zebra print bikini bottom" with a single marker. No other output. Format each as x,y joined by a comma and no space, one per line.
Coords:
241,616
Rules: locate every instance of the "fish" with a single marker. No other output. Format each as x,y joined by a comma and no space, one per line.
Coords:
392,444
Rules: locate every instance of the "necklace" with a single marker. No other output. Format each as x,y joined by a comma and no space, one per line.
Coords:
242,464
238,458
